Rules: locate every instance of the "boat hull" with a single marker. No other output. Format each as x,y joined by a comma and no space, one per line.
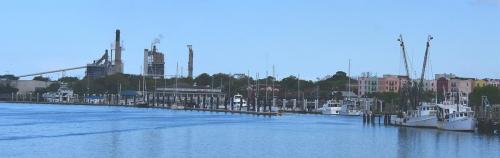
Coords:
330,111
357,113
424,121
463,124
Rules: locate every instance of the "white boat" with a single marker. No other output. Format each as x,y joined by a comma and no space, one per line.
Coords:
424,116
63,95
455,117
331,108
239,102
349,108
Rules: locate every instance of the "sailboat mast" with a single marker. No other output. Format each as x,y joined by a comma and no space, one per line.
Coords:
349,80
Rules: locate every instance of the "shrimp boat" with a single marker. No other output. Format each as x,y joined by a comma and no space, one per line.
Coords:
455,116
423,116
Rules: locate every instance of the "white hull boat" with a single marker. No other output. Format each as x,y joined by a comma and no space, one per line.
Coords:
456,117
423,121
424,116
461,124
331,108
349,109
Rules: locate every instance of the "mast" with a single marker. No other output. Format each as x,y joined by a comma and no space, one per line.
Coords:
349,81
274,79
407,87
298,87
422,75
405,55
429,38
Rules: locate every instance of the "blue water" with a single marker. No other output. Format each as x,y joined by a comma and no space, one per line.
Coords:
28,130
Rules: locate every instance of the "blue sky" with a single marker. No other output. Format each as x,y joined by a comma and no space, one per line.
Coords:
312,38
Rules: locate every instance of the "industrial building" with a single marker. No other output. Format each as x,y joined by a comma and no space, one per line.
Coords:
106,65
154,63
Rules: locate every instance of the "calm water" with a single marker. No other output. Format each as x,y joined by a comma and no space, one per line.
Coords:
95,131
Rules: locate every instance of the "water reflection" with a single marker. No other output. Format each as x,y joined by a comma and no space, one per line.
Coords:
129,132
415,142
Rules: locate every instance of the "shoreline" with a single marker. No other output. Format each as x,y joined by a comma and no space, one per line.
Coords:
155,107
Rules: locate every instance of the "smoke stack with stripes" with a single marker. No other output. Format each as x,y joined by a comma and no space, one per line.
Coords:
190,63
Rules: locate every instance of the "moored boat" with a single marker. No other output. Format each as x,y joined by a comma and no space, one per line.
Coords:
331,107
456,117
424,116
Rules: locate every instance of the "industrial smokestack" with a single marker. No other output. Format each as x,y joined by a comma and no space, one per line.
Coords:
190,63
118,53
117,35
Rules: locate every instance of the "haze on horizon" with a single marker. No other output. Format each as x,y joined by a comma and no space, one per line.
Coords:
310,38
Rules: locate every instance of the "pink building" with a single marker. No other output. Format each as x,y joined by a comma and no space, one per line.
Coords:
493,82
392,83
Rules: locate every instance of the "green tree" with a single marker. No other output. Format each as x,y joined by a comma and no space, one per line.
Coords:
493,94
7,89
337,82
40,78
68,79
203,79
9,77
53,87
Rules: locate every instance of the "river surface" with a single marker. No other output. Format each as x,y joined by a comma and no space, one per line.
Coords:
30,130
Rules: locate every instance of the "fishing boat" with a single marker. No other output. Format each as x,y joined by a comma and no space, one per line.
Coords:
423,116
455,116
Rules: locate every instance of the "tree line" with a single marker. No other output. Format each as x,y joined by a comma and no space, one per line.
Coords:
239,84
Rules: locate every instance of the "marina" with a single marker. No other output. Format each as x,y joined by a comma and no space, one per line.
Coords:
250,79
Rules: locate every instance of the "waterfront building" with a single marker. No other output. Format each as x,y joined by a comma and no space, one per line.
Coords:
188,95
493,82
430,85
444,75
367,84
26,86
392,83
477,83
461,86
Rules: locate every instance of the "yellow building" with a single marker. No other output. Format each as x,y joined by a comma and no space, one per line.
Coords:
479,83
